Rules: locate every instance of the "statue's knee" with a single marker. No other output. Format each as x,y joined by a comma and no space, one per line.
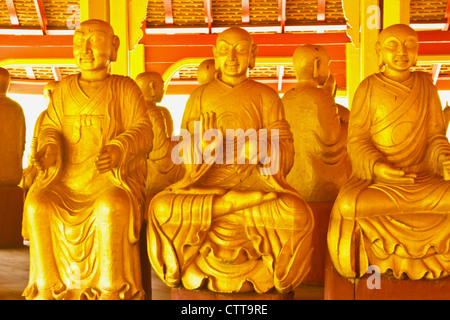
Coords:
161,208
34,206
114,202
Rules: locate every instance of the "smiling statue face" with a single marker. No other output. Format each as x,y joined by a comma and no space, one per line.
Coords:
234,52
398,47
93,45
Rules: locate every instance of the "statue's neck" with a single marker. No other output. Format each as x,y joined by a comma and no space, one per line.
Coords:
395,75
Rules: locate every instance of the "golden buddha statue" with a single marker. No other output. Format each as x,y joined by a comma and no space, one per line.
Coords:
161,170
321,164
393,211
206,71
84,210
232,225
12,133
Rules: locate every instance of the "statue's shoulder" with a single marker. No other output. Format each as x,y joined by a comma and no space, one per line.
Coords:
424,75
263,90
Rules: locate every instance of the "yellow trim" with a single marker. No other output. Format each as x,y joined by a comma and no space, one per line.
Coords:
433,58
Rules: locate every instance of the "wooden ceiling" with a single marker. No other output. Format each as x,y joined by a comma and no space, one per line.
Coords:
47,24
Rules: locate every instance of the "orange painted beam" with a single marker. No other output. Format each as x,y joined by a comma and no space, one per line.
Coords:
282,14
35,46
168,13
447,16
208,13
40,10
245,11
12,13
321,10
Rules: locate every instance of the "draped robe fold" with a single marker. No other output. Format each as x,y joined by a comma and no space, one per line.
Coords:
321,164
84,226
403,229
267,245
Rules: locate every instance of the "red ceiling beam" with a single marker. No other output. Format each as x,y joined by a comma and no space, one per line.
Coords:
245,11
40,10
208,13
321,10
35,47
168,12
12,13
282,14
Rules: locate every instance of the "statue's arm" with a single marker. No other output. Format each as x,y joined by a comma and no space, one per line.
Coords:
363,154
137,136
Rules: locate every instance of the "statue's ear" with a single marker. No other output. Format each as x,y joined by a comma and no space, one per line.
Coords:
216,63
378,51
254,53
115,48
316,66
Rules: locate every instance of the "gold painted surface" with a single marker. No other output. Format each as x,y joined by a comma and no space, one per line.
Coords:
394,211
321,165
12,133
83,213
161,170
229,227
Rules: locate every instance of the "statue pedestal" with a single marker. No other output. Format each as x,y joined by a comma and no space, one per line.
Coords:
11,211
321,212
184,294
340,288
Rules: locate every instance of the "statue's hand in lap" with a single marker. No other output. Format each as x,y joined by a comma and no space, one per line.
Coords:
46,157
108,158
386,173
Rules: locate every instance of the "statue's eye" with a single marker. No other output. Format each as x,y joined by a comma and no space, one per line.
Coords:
392,44
410,44
223,49
78,39
241,48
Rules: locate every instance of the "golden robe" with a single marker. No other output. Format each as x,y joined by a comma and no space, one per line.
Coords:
161,170
403,229
266,245
84,226
321,164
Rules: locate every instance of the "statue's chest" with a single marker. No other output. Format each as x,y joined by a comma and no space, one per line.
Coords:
391,120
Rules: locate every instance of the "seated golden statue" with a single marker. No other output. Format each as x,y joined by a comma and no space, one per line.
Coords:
231,225
321,164
394,211
206,71
84,210
161,170
12,133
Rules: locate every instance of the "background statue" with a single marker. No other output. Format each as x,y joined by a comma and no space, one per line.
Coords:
161,170
84,210
321,165
343,112
12,134
206,71
233,226
30,172
394,211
